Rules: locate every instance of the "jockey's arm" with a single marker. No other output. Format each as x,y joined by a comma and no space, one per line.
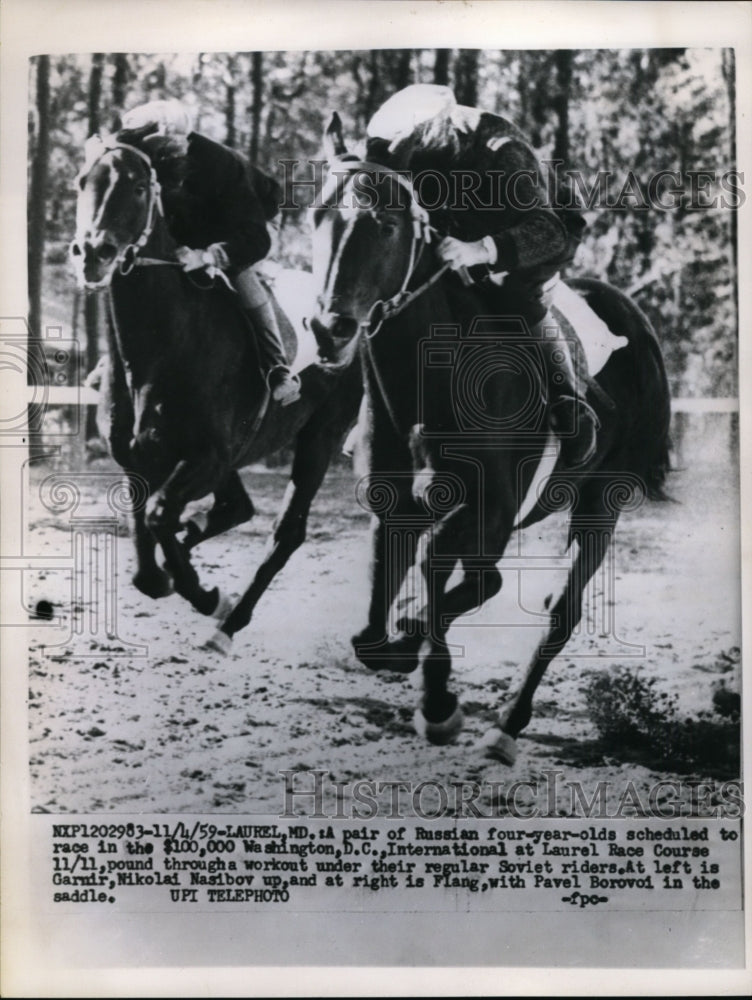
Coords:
240,218
530,233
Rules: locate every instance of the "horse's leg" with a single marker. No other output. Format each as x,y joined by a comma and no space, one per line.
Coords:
592,527
188,481
149,577
115,423
390,560
313,452
481,581
460,536
398,520
232,506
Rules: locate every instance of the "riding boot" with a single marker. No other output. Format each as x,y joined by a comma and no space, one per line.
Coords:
284,386
572,418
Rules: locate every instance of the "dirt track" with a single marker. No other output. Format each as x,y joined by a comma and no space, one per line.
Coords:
181,730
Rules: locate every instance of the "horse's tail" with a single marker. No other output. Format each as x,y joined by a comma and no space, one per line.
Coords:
652,428
649,445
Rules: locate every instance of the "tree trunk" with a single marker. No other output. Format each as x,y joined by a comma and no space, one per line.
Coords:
230,91
441,67
466,77
401,69
120,80
38,194
729,75
91,300
538,83
257,85
373,95
36,221
563,59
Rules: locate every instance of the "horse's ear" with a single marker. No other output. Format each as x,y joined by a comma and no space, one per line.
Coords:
334,143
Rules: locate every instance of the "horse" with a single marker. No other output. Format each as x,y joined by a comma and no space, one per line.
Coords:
460,433
183,400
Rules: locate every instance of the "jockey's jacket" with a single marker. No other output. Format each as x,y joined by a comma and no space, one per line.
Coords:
222,199
534,234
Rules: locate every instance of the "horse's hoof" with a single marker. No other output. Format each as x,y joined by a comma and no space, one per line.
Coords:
498,745
155,585
378,651
439,733
386,660
224,606
403,650
369,646
219,642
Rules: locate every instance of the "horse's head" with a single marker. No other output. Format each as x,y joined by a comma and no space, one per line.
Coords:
117,197
367,233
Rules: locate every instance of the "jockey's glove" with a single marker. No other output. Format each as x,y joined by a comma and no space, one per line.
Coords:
214,256
459,254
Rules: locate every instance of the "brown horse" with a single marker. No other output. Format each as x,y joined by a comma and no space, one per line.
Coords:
455,427
184,401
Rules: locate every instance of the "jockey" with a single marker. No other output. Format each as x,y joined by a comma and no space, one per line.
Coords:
511,230
217,208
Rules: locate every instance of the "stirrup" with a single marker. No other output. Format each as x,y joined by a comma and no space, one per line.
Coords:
576,452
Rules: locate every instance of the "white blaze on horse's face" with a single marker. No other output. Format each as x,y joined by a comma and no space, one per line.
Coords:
111,212
360,246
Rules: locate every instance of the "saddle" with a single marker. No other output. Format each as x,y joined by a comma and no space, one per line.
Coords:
591,343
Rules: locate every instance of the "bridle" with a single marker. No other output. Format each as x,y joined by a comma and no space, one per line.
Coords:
128,257
385,309
422,233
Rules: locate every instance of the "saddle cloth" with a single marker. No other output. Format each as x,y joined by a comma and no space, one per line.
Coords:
598,343
575,316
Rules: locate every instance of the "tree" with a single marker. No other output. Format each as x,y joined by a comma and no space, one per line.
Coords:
441,67
466,77
36,221
38,194
91,299
230,83
120,80
563,59
257,86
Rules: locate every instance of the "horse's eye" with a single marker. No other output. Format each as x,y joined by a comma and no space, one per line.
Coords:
140,189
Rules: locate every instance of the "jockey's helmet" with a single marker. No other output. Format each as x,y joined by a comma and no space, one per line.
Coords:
412,106
171,117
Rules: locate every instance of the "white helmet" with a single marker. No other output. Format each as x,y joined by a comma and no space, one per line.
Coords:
412,106
170,117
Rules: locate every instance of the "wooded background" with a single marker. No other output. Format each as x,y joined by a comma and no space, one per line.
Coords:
640,110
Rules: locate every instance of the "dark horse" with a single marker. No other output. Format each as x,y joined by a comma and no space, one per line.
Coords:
480,395
184,401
